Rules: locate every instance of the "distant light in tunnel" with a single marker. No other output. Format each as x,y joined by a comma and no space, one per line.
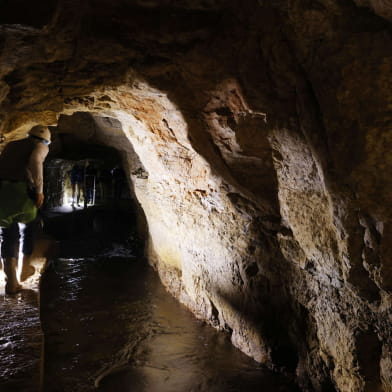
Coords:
67,201
67,198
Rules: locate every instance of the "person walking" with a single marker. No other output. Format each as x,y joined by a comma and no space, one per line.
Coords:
21,195
76,183
90,174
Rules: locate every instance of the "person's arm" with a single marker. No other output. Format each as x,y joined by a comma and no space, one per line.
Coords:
35,169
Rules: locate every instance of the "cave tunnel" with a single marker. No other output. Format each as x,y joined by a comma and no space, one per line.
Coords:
88,195
249,248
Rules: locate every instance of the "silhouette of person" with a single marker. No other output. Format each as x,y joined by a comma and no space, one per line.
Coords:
90,174
21,195
76,183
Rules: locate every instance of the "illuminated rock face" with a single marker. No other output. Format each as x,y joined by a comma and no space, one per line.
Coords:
258,144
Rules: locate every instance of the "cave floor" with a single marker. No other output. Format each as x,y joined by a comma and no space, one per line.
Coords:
109,325
21,342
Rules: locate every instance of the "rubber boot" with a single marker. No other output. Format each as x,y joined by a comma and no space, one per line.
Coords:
12,285
27,269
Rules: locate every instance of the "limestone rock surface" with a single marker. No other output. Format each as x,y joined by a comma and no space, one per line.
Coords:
257,137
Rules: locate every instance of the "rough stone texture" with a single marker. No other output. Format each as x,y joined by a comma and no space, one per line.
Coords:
261,138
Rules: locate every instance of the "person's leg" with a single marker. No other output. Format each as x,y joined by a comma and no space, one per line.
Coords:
28,240
9,254
79,186
73,186
89,193
29,232
10,241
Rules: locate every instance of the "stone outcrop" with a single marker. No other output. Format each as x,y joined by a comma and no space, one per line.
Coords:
259,148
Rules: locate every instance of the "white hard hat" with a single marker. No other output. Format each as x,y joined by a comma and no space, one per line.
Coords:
41,132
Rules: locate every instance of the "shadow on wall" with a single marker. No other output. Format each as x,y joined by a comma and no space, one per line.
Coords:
288,330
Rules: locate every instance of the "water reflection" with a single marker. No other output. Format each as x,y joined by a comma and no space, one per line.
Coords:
109,324
21,337
20,342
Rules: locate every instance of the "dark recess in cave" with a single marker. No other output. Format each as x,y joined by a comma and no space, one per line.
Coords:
25,12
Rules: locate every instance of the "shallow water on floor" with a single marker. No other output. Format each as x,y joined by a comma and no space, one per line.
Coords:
110,325
20,342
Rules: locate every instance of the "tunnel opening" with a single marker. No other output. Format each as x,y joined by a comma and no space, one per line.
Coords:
78,157
89,206
81,174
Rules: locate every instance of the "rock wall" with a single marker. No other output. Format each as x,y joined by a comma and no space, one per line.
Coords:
260,138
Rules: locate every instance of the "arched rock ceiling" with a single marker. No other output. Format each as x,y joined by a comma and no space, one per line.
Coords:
264,130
